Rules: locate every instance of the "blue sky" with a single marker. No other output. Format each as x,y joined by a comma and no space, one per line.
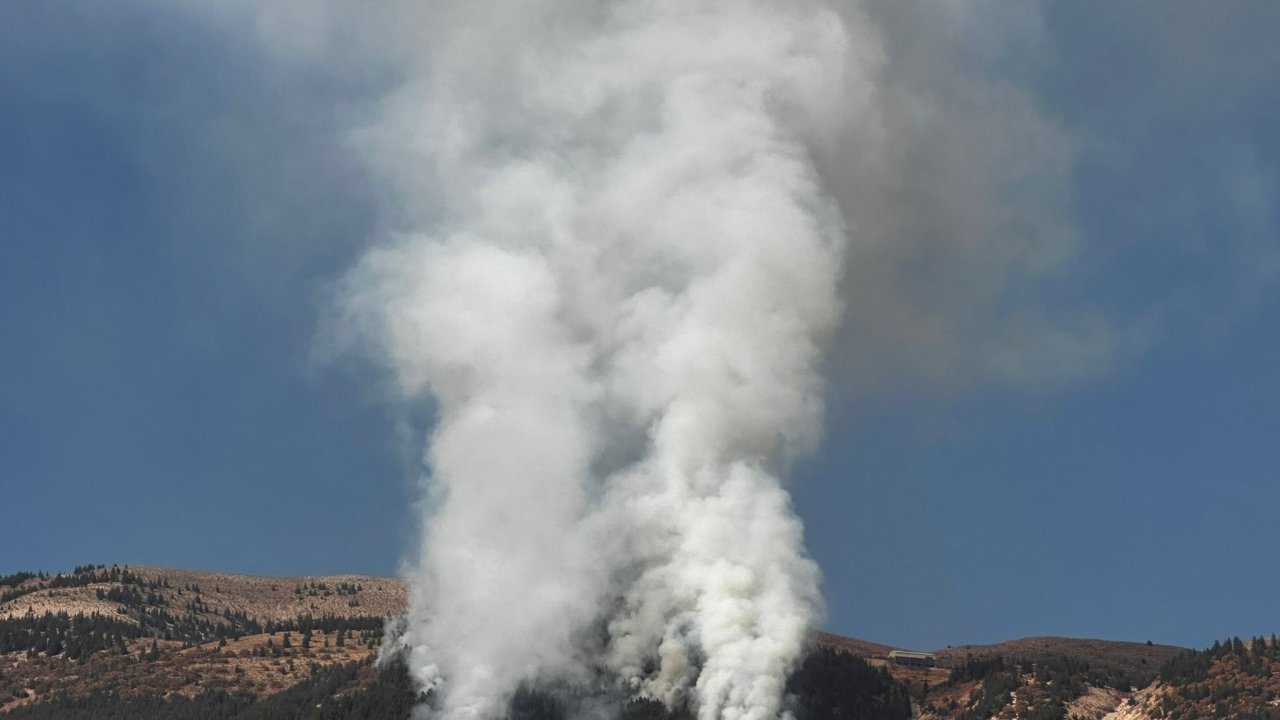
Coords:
176,210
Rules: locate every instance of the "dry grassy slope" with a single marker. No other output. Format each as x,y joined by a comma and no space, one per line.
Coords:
1229,689
1094,704
178,670
261,598
1101,654
1137,659
1232,687
853,646
946,702
245,665
256,664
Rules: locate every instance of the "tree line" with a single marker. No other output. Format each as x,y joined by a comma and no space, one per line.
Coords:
827,685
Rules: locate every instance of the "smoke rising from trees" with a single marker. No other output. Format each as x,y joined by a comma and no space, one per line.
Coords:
621,319
625,235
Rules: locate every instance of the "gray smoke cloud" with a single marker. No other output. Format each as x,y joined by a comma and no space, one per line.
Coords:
628,232
621,318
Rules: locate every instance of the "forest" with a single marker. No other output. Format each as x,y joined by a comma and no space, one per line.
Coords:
827,685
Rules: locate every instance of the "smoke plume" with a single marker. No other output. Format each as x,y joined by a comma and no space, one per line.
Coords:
620,316
625,230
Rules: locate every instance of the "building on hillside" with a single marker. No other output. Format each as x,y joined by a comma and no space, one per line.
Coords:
914,659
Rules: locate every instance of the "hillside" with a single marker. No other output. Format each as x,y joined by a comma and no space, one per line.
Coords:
165,644
1236,679
854,646
1041,678
143,642
210,594
1137,661
139,631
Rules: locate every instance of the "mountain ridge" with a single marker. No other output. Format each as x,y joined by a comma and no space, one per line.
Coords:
131,632
277,597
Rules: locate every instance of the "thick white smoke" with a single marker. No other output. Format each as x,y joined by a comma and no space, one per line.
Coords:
620,316
626,231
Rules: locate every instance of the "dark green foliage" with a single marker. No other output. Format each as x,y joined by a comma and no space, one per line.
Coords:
996,692
1193,666
1064,678
322,589
977,669
15,579
389,696
53,634
139,601
831,685
828,686
1231,677
207,706
81,576
327,624
77,635
645,709
1056,681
